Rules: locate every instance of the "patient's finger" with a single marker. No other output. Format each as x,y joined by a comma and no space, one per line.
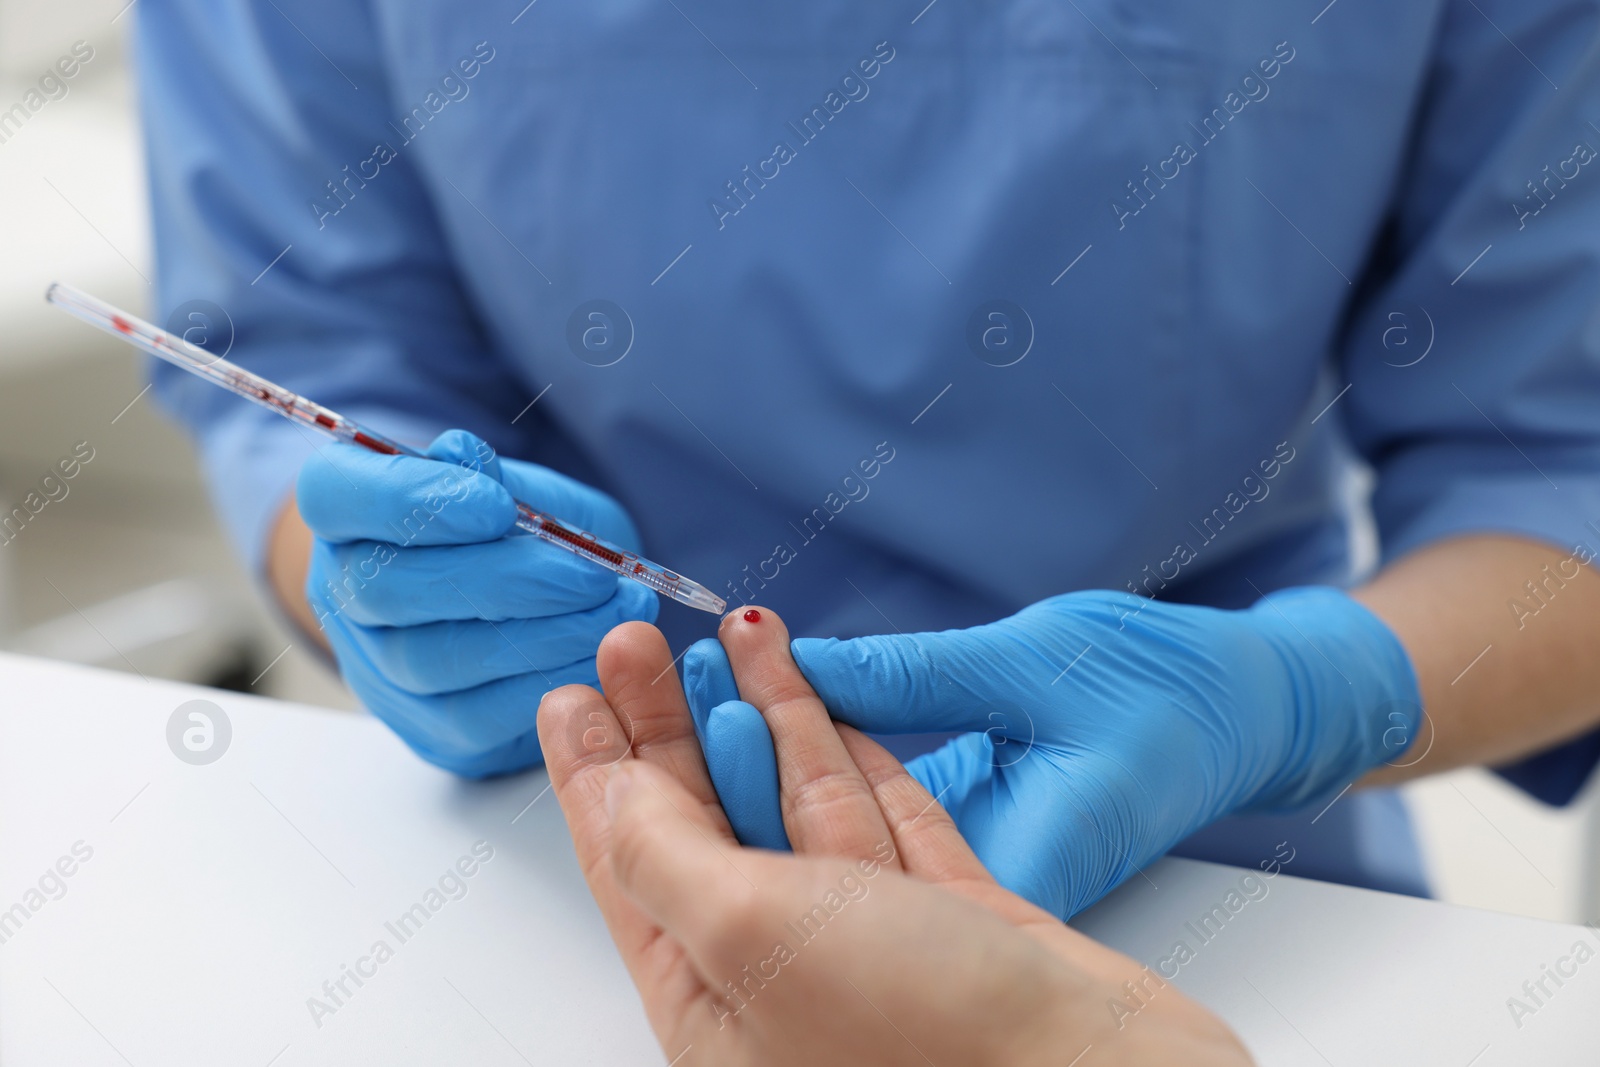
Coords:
925,836
928,843
828,808
636,672
578,733
582,740
668,861
584,745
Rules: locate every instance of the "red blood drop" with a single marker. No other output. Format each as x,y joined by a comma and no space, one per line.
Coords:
121,324
752,615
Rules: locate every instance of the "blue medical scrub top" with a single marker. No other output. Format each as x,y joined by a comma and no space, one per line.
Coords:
902,317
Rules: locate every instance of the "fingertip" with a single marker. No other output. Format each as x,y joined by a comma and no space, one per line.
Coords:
576,727
866,682
707,680
629,645
564,696
706,662
815,656
744,769
812,648
466,450
757,643
559,703
489,511
751,626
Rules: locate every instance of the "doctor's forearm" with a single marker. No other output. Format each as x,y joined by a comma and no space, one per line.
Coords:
288,559
1497,683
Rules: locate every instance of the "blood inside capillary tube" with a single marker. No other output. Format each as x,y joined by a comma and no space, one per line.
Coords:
365,441
253,387
588,544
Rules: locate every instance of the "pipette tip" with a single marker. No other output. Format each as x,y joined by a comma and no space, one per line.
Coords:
698,596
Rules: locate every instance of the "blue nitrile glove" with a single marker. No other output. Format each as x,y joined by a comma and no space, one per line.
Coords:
448,630
1105,728
738,747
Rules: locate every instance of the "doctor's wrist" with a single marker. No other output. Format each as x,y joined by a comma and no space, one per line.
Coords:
1353,694
288,560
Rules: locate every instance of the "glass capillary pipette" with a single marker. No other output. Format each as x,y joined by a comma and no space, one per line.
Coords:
292,406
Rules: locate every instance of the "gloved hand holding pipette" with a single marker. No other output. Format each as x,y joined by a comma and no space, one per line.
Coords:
419,650
448,630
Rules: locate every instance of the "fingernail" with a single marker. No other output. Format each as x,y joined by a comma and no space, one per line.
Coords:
618,786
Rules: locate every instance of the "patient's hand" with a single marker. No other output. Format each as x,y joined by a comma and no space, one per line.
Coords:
883,940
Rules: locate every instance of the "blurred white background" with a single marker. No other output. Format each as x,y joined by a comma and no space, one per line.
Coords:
130,571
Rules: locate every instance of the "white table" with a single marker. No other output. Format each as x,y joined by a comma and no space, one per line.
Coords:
219,898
